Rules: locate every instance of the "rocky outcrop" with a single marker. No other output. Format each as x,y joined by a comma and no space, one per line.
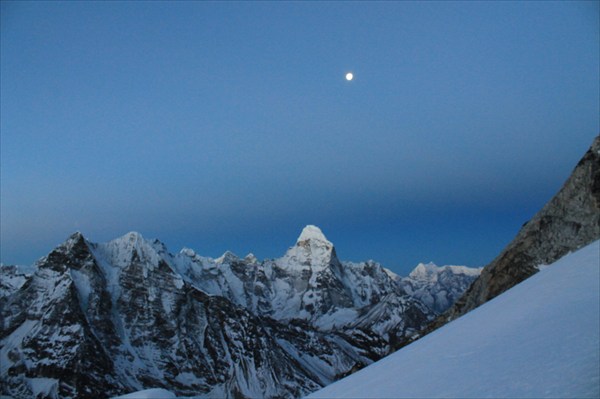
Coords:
569,221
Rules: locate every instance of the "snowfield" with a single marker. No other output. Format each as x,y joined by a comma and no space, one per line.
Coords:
154,393
539,339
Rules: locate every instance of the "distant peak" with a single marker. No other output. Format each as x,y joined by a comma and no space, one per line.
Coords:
227,257
251,258
75,240
133,236
76,236
312,248
425,270
188,252
311,232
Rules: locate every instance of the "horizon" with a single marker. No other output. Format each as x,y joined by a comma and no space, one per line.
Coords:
231,126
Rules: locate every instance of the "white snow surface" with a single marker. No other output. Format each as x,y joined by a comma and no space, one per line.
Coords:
540,339
311,232
154,393
43,387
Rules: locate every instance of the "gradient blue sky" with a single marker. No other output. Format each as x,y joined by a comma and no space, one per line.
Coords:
230,125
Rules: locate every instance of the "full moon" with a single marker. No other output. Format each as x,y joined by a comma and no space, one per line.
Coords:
349,76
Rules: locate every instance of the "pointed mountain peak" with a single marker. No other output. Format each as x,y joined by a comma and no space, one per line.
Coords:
227,257
312,248
75,240
188,252
250,258
423,270
76,236
121,251
130,241
311,232
70,254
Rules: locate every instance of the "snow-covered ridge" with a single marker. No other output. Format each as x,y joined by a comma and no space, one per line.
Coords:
424,271
539,339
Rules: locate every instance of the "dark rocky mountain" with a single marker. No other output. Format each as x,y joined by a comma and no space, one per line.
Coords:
569,221
97,320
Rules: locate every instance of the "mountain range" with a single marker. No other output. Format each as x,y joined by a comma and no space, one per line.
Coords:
104,319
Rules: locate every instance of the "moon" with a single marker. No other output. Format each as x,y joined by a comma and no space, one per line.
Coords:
349,76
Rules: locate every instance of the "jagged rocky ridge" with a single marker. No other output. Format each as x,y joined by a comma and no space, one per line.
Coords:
96,320
569,221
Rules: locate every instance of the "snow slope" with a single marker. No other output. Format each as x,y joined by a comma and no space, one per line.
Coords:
539,339
154,393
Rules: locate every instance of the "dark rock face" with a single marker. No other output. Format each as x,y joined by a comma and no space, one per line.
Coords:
46,336
569,221
98,320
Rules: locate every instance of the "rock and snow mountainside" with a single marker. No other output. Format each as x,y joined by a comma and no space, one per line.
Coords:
570,220
540,339
438,287
13,278
309,283
98,320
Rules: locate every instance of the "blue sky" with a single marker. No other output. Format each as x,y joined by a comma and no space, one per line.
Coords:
230,125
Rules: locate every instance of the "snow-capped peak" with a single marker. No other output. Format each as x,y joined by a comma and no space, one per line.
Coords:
121,250
250,258
188,252
227,257
76,236
73,240
422,270
311,249
132,237
311,232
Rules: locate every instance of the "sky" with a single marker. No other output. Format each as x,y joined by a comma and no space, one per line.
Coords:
230,125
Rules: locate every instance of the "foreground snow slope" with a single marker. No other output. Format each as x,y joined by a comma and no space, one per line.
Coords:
539,339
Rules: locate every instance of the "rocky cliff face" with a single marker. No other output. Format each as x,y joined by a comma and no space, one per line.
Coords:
95,320
569,221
